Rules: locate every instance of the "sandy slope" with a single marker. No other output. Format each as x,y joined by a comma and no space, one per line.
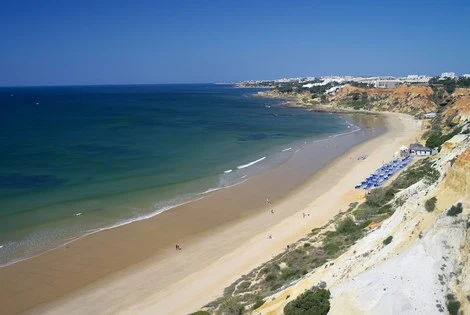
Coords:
426,260
132,291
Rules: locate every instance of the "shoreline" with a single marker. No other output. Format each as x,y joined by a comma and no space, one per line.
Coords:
199,195
200,242
323,208
84,251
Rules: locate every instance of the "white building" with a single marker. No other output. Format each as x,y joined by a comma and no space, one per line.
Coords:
417,149
386,84
448,75
466,75
429,115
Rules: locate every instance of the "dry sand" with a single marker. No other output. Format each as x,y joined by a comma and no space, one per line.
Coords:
178,282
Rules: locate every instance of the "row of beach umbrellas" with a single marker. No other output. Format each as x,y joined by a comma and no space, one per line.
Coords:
382,174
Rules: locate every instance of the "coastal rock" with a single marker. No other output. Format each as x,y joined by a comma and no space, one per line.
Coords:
404,99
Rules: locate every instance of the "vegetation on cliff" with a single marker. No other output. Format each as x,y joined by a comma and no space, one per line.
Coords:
320,246
436,139
312,302
450,84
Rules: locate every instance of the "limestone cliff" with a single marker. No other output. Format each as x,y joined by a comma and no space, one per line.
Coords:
423,270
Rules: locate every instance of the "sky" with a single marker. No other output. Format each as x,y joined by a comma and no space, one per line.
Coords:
145,42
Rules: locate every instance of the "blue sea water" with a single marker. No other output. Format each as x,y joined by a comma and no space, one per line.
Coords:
78,159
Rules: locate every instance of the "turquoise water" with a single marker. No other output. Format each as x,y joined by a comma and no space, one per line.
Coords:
78,159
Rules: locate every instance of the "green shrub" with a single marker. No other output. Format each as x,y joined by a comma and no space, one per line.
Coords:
231,306
331,248
346,226
413,175
380,196
455,210
365,212
258,302
315,302
388,240
453,306
437,138
430,204
244,285
271,277
201,313
289,273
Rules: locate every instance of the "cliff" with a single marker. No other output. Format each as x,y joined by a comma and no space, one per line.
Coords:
460,106
409,99
424,269
404,99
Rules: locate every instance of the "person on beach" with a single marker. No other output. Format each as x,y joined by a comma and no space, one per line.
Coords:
268,201
272,211
270,237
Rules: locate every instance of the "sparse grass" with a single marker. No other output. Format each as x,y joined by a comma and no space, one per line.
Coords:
352,206
380,196
400,202
244,285
437,138
422,170
201,313
231,306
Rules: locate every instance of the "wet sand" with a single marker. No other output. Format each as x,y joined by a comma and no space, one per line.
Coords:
135,268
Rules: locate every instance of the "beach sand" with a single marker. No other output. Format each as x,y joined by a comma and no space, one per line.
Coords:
136,269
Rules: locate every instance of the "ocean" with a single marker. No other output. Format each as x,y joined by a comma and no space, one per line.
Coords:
79,159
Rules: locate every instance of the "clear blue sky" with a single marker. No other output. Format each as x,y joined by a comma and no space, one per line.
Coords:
117,42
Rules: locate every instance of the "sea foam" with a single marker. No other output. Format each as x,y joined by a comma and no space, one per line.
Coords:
251,163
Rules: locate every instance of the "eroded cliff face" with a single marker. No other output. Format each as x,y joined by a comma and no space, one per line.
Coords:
404,99
456,184
413,100
460,107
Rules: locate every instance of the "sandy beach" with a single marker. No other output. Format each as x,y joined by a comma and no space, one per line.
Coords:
217,249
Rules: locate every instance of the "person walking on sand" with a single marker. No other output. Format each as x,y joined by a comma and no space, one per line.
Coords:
272,211
268,201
